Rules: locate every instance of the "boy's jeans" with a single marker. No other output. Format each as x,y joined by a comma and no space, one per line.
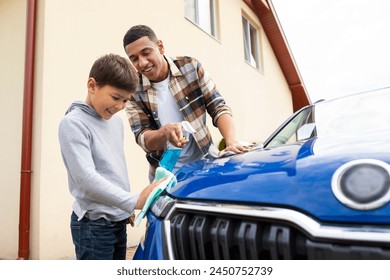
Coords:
99,239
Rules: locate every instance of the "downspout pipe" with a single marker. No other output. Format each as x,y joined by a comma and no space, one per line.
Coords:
25,173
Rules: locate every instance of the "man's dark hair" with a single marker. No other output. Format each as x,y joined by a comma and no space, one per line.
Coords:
138,31
116,71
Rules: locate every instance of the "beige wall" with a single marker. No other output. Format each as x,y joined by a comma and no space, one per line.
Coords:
12,23
71,35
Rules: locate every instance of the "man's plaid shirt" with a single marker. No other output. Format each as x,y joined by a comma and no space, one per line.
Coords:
195,94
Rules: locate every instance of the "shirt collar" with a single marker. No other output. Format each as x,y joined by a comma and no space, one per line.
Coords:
174,72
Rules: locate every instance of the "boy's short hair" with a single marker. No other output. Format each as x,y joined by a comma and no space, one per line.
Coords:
116,71
138,31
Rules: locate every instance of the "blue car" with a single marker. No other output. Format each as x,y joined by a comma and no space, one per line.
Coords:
317,188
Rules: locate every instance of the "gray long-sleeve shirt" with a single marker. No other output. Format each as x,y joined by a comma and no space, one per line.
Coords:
92,150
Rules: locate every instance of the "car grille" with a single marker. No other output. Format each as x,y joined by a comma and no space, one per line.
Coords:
200,235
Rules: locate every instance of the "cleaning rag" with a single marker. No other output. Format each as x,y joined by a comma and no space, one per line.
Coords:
167,184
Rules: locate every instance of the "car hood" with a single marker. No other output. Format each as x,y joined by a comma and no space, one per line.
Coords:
296,176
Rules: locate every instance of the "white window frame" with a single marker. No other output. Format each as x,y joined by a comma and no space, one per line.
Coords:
251,39
203,14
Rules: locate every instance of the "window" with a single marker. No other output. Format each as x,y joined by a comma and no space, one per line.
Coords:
251,43
202,13
300,127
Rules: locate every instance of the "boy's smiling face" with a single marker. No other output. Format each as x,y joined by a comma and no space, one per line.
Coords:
106,100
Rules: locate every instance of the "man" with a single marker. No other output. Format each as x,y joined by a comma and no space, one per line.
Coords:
170,91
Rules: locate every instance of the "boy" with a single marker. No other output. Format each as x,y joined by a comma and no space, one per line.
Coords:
91,139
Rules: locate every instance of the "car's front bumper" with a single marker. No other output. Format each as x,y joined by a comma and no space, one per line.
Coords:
223,231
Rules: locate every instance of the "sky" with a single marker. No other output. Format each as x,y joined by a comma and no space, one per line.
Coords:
341,47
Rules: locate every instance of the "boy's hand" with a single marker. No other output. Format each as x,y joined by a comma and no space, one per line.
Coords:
145,193
132,219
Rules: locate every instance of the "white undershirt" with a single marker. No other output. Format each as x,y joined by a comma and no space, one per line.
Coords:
168,112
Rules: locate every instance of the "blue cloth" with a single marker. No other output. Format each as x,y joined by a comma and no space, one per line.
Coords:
167,184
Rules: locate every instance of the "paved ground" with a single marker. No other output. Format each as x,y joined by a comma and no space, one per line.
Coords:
130,252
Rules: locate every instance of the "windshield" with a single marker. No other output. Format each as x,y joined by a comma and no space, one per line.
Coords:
352,115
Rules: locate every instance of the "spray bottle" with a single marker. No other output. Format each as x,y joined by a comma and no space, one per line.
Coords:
172,153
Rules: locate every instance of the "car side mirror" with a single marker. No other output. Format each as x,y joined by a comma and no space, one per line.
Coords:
305,131
258,145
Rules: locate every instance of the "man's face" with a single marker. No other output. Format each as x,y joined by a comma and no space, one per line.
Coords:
147,57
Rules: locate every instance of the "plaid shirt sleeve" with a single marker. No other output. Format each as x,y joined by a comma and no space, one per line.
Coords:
196,95
139,119
215,103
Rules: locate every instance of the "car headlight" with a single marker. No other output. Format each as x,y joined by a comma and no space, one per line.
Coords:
362,184
162,206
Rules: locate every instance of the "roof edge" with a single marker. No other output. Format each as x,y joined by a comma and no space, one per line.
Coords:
274,32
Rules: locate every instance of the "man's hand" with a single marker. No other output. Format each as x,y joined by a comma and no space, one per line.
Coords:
173,132
235,147
157,139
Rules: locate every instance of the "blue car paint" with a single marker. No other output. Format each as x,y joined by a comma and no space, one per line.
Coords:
152,249
296,176
284,176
